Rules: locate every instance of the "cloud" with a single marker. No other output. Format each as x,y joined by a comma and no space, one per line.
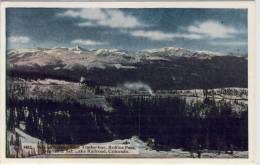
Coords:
128,24
89,14
19,39
200,30
162,36
212,29
228,43
113,18
87,42
84,24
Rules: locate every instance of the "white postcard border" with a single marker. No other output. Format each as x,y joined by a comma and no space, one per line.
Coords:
206,4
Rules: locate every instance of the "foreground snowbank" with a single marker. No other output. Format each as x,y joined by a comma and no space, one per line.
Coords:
139,149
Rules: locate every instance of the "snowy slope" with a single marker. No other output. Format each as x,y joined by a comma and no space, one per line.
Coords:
73,58
142,150
165,53
70,58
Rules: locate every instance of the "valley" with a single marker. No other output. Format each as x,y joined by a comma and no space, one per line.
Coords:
176,102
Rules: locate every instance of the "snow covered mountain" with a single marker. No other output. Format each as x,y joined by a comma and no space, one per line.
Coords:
78,57
180,52
165,68
69,58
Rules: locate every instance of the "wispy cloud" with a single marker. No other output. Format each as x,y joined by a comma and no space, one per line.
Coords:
162,36
200,30
19,39
87,42
212,32
86,24
113,18
212,29
228,43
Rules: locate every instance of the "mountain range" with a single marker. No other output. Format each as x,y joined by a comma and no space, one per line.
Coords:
164,68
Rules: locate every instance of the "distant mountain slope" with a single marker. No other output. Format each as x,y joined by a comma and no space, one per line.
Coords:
166,68
180,52
68,58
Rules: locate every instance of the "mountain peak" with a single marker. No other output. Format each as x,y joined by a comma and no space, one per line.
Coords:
180,52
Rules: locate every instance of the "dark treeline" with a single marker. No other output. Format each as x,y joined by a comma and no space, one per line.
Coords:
42,73
180,73
175,124
171,122
58,122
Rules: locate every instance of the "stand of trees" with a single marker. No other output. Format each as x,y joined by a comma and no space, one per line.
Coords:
64,122
175,124
171,122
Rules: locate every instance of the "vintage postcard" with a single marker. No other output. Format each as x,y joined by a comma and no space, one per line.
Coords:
127,80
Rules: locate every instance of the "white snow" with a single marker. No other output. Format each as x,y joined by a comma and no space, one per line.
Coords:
25,137
174,51
72,58
140,149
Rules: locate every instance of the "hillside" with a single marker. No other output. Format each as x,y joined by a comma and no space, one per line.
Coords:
166,68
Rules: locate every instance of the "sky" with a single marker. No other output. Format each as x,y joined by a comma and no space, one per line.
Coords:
218,30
